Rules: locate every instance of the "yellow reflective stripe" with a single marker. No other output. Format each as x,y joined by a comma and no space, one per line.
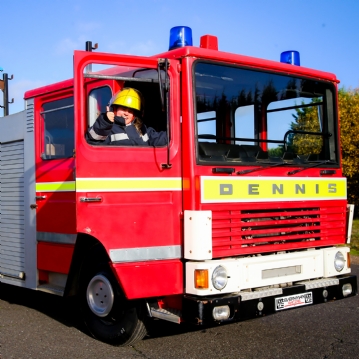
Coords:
128,184
68,186
258,189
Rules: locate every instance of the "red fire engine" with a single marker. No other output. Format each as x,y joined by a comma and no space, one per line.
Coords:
242,214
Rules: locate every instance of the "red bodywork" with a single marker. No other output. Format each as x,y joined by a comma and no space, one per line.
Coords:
155,218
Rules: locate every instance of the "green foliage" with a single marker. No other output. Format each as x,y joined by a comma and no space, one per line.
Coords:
306,119
354,242
276,152
349,136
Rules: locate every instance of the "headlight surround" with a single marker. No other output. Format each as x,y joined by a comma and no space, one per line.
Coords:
219,277
339,261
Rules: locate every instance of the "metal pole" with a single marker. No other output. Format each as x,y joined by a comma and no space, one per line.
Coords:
90,48
88,45
6,95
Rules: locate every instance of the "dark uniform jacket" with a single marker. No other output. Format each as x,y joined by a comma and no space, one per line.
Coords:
105,132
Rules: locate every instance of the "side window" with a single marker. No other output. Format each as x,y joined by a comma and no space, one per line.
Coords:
97,102
149,121
58,124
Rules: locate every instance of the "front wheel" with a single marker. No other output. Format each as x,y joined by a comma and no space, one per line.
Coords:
106,312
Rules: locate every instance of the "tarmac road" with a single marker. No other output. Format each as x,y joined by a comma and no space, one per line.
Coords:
41,326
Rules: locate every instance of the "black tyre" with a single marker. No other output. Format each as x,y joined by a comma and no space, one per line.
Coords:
107,314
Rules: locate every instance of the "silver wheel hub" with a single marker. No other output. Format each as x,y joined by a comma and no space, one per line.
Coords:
100,295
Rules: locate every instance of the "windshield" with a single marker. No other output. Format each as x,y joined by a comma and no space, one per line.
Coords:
246,116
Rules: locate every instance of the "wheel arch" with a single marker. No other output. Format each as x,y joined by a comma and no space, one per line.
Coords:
86,248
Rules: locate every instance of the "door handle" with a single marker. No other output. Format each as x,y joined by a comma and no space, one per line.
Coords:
90,199
40,197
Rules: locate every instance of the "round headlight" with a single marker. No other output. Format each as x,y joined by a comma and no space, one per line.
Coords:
339,261
219,278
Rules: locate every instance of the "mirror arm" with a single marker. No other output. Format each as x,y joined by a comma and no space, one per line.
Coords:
164,63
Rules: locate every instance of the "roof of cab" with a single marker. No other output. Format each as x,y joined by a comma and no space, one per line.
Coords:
210,55
253,62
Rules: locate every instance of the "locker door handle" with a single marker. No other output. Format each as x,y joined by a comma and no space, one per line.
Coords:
40,197
90,199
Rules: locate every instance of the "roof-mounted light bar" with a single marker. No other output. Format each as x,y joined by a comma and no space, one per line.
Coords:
180,36
290,57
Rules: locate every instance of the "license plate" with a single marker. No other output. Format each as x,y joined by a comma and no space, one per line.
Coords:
292,301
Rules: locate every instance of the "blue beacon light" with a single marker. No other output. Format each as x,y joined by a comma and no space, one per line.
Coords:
180,36
290,57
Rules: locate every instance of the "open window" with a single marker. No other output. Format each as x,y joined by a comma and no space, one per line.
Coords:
144,80
97,102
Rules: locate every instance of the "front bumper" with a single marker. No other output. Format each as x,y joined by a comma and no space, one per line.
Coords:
246,305
246,273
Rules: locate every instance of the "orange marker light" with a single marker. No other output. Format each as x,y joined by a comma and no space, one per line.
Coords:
201,278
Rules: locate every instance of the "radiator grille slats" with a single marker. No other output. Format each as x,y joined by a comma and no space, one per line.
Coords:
248,229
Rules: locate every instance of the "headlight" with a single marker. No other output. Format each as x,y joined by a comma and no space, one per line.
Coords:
347,289
339,261
221,313
219,278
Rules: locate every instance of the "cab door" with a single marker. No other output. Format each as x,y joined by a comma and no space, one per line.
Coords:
55,185
129,197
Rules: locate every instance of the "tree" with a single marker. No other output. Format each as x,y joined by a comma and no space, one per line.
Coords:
349,136
306,119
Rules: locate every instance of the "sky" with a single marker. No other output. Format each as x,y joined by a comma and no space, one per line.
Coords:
38,37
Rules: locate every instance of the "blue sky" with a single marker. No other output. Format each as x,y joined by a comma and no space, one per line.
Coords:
38,37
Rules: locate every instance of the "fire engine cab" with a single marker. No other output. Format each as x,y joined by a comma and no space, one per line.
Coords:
241,214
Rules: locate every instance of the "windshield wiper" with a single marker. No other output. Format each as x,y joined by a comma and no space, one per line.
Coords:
263,168
305,168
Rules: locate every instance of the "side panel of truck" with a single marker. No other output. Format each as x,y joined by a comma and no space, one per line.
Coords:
17,199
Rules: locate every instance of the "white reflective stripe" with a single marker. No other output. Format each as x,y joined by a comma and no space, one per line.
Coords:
56,237
145,253
119,137
145,137
95,136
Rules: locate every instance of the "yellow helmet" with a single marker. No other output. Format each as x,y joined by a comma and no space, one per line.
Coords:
127,97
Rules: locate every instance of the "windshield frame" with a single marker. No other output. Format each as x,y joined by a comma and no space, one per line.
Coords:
329,133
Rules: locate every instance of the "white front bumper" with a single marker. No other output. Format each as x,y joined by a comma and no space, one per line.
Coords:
267,270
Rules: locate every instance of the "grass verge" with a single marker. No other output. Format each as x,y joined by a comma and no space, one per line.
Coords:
354,242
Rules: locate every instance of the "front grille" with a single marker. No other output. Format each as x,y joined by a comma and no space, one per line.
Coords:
244,229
